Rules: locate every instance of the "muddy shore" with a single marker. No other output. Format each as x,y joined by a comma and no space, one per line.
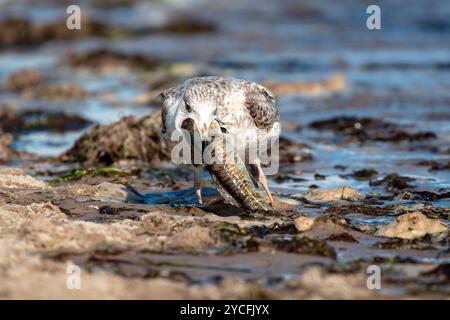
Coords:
86,181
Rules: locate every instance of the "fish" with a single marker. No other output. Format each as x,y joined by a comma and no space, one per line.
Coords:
229,172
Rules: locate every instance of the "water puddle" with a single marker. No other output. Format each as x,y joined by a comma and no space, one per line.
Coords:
177,198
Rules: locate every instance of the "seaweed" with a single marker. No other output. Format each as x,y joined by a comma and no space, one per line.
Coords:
363,174
370,210
128,139
38,120
393,182
344,236
304,245
80,173
369,129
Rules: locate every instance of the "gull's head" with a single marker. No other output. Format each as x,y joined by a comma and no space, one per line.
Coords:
202,110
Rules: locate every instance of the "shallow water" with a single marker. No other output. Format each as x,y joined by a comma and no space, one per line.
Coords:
177,198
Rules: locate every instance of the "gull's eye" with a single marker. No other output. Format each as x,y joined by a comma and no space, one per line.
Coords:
188,107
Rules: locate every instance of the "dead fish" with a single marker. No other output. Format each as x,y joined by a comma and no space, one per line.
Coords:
230,173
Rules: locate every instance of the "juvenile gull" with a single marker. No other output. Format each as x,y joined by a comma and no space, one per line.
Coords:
238,106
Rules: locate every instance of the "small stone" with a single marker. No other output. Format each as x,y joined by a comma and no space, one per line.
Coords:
13,179
412,225
12,171
341,193
192,238
288,201
105,191
23,79
113,191
6,150
304,223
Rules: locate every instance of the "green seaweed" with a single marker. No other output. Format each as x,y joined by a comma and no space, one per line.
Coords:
79,173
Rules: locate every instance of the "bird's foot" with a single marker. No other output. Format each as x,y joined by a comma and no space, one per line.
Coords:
198,185
262,179
198,194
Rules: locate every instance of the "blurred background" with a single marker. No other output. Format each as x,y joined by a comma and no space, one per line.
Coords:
332,75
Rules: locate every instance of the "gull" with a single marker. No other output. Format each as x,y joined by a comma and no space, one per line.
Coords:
242,108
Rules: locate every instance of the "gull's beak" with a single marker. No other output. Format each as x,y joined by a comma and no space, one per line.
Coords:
204,132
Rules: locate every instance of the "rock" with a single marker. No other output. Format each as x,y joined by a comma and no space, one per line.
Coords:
192,239
269,222
435,165
335,83
304,223
364,174
422,195
12,171
285,204
349,129
43,226
287,201
302,245
103,191
21,32
113,191
32,211
412,225
103,59
325,228
6,152
341,193
14,179
24,121
332,286
127,139
184,24
31,84
393,182
23,79
291,151
60,92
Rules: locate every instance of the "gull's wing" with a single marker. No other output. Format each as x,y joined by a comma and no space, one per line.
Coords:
260,103
242,104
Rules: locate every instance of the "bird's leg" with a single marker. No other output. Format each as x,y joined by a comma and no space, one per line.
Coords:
262,179
197,184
